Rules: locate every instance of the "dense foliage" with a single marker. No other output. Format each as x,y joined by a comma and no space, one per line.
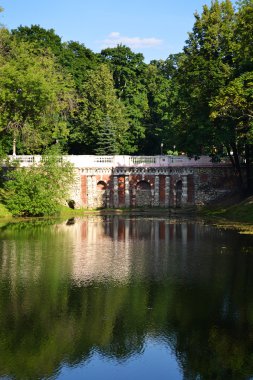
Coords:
199,100
39,189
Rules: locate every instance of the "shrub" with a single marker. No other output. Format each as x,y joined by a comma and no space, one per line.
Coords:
39,189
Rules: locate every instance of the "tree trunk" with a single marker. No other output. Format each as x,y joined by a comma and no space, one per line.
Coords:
236,163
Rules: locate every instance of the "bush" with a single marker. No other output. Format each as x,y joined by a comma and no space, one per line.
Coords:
39,189
4,213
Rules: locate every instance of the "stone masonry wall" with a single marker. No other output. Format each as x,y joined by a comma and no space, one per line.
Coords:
152,187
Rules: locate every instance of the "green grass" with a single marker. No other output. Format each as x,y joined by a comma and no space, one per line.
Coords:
65,211
240,212
243,212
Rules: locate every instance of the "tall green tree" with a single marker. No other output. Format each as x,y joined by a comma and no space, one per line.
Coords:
162,92
243,36
74,59
99,101
35,97
106,141
73,56
233,108
206,66
129,75
40,38
78,60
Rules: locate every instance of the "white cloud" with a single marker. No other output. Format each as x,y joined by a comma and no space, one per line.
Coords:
115,39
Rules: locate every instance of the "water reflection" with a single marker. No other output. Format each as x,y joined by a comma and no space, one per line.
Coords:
114,287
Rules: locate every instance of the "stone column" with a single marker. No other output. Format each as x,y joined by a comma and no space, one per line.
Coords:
157,191
94,191
184,189
90,195
134,196
127,194
167,191
115,192
76,189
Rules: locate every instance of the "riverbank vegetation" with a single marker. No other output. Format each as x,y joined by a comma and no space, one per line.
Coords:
37,190
4,212
238,212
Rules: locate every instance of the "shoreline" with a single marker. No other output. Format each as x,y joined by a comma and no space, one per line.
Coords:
239,215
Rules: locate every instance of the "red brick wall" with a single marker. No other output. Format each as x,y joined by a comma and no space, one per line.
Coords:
121,187
84,190
203,185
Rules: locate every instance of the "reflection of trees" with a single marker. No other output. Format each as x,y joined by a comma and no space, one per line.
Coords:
205,315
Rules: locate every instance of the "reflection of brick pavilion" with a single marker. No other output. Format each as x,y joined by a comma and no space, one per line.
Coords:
118,249
100,251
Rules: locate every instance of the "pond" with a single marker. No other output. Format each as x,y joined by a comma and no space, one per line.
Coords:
125,297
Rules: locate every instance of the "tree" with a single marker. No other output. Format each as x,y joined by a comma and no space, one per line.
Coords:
206,66
232,107
98,102
106,142
162,92
74,57
243,36
35,98
40,189
40,38
78,60
129,70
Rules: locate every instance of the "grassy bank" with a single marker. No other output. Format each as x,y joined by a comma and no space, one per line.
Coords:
66,212
62,212
241,212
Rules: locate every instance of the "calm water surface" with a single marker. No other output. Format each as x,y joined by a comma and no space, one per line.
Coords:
125,298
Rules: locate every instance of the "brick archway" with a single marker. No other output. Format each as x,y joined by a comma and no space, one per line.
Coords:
101,194
143,194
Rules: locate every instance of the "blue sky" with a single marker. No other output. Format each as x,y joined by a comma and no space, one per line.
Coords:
155,28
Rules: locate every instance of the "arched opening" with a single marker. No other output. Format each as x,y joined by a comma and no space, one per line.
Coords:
179,190
101,194
71,203
143,194
101,185
143,185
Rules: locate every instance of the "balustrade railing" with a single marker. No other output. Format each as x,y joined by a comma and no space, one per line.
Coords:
80,161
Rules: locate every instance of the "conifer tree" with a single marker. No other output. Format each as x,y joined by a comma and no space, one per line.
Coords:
106,142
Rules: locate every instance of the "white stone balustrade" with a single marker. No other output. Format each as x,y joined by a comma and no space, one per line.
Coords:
91,161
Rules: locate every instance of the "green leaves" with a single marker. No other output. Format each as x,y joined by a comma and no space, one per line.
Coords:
243,36
129,76
206,67
233,106
35,97
50,90
98,102
107,143
39,189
